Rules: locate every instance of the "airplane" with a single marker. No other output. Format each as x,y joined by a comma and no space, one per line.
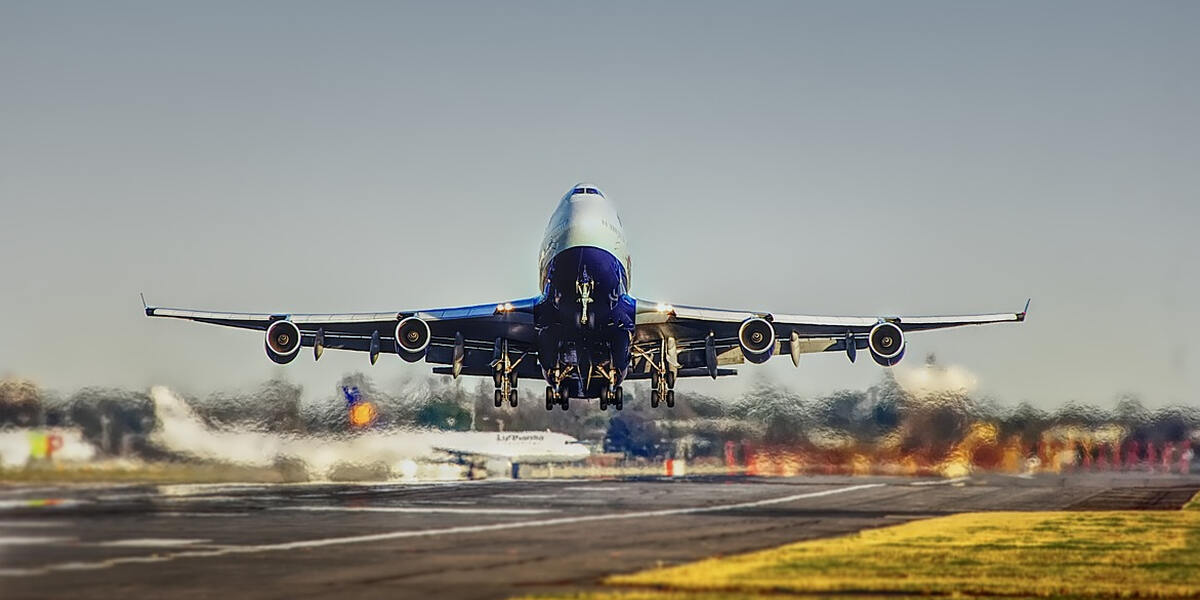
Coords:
179,430
583,334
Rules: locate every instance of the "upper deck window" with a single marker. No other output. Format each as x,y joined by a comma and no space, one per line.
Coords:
586,190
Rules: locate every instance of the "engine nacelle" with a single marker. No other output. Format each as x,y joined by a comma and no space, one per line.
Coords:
283,341
756,336
886,343
412,338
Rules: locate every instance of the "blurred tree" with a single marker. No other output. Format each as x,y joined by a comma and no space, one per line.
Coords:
20,404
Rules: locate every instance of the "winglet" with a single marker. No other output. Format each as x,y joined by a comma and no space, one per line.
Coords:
149,310
1021,315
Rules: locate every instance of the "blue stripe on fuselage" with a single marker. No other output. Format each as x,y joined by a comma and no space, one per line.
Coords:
568,268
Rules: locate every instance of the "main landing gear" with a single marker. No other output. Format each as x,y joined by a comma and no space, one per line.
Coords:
506,388
663,385
504,375
557,397
612,396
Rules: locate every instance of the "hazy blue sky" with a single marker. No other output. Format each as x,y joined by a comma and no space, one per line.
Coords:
837,158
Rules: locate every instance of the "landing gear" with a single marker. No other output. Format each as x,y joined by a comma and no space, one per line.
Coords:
663,375
559,397
504,375
663,388
612,396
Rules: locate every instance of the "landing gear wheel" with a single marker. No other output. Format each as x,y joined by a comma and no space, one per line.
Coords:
655,379
619,397
497,378
499,398
670,398
551,399
512,379
671,379
654,398
512,398
565,403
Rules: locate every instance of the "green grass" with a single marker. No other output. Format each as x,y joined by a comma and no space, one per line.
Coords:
1145,554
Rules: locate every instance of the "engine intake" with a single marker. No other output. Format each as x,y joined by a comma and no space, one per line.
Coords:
412,338
886,343
756,336
283,341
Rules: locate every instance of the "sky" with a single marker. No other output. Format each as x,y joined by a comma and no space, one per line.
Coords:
845,158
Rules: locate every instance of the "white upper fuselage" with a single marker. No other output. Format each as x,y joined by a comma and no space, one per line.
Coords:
584,218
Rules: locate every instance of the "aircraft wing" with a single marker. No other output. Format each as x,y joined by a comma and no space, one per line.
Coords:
691,326
479,325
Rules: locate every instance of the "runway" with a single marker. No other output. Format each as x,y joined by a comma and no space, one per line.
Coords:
486,539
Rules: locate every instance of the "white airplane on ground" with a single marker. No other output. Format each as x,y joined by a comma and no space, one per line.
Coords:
584,334
181,431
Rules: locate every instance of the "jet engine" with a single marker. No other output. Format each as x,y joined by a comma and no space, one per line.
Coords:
756,336
886,342
412,338
283,341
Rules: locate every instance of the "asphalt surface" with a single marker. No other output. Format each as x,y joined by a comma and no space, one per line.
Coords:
490,539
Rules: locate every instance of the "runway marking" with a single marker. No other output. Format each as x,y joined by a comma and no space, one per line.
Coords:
41,503
201,514
33,540
152,543
394,535
420,509
583,488
942,481
34,523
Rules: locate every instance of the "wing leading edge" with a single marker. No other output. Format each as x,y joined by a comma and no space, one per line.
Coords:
688,329
478,325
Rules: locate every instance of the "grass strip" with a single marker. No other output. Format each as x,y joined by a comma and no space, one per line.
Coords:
1127,554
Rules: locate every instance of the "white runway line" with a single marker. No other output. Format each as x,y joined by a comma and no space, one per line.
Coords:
4,524
201,514
942,481
33,540
395,535
47,503
420,510
152,543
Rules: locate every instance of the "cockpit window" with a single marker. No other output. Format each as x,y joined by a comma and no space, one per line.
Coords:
579,191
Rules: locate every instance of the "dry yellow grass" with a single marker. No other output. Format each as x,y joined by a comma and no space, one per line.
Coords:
1152,554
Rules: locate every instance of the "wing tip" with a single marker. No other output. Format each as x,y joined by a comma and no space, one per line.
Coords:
1024,311
146,307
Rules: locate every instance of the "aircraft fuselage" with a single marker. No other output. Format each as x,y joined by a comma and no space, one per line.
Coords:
585,325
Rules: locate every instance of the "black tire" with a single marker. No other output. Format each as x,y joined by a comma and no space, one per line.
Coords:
603,403
619,404
565,403
654,379
497,378
671,376
512,378
512,397
499,398
654,399
551,399
670,398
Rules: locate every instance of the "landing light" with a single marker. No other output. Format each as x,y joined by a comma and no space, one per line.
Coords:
506,307
664,308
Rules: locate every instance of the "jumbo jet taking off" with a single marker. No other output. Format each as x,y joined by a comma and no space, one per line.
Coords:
584,334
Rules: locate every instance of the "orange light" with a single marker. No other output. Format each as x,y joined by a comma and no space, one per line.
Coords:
362,414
